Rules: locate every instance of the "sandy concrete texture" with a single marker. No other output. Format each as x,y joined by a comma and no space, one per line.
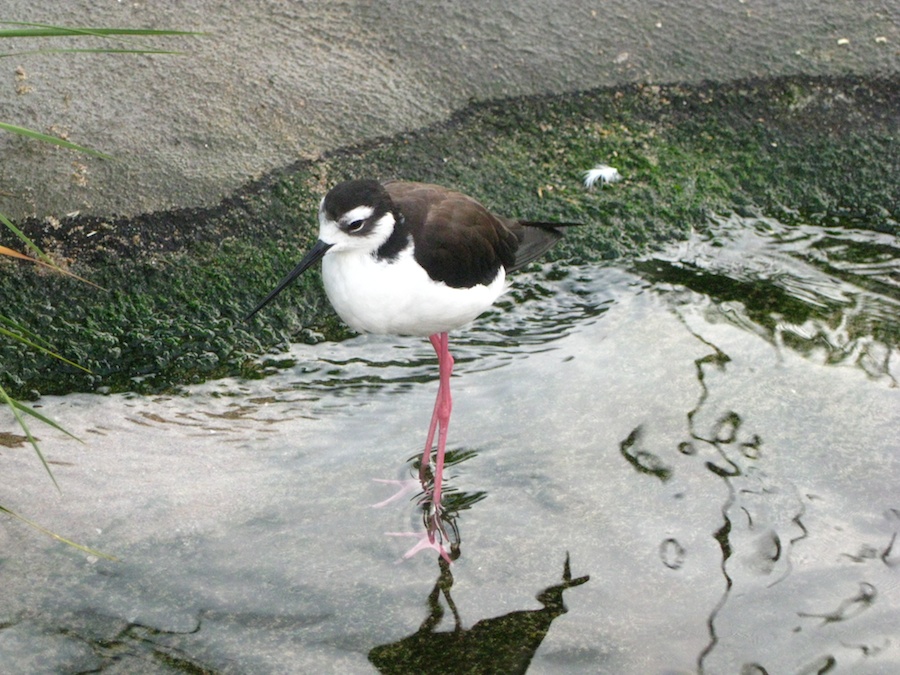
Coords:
271,82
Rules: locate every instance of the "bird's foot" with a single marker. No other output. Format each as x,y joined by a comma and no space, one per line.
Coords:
425,542
435,536
433,518
404,488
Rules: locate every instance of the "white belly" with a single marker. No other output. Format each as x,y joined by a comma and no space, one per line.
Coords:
399,298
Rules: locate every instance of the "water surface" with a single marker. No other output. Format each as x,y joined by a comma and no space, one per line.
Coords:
709,433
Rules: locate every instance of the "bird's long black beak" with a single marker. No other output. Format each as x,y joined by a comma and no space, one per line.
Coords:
310,259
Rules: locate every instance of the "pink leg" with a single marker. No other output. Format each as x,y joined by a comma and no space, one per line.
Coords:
440,420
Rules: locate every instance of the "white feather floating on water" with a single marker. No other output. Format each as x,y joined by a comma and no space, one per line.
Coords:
603,173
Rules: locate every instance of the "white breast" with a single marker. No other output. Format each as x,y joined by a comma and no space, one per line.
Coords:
399,298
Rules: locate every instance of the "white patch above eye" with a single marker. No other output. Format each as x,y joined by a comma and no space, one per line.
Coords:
357,214
387,220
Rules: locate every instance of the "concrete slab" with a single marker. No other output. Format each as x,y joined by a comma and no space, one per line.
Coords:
272,82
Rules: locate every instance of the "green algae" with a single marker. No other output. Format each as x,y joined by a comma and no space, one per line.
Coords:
178,283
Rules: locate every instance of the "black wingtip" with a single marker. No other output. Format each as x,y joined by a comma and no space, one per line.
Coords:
535,239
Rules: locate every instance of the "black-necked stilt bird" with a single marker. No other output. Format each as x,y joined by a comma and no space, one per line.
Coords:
417,259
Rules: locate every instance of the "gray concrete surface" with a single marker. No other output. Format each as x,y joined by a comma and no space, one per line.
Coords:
272,82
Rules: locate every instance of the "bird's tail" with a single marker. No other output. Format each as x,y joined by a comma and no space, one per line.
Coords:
535,239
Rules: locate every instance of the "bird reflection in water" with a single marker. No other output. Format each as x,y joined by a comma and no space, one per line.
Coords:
502,644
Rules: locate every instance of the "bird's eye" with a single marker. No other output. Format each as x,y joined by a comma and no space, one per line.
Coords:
355,226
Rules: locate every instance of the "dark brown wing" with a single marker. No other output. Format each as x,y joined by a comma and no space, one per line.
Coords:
456,239
463,242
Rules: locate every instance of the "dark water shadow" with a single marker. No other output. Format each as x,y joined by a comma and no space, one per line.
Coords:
501,644
98,642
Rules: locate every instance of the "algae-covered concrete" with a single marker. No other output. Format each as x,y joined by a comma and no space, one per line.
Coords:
179,282
796,116
271,82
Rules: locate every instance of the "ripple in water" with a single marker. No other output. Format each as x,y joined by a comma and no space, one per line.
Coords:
831,294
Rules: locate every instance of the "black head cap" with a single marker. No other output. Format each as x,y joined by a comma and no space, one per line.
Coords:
346,196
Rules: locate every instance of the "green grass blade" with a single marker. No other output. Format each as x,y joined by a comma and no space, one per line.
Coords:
18,255
46,138
41,30
35,345
15,406
19,328
43,418
49,533
25,240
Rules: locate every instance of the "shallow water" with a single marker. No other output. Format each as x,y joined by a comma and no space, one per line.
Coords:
709,433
